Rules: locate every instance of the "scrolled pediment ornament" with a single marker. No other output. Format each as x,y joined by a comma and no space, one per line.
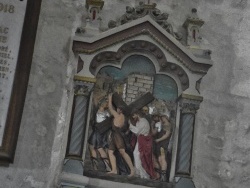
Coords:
133,13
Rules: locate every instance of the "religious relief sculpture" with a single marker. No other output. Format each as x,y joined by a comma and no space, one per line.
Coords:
139,119
130,128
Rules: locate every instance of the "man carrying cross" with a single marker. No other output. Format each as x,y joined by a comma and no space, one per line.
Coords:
143,148
116,140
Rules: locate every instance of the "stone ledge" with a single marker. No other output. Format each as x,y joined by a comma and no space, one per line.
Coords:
70,180
122,181
73,180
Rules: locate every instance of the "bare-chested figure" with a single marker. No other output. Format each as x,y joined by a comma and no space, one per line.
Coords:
161,131
116,140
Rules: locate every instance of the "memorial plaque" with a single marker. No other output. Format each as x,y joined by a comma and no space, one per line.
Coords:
12,18
18,25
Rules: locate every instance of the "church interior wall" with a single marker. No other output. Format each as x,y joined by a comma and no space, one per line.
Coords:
221,147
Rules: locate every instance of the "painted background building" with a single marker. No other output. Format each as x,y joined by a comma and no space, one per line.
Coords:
220,154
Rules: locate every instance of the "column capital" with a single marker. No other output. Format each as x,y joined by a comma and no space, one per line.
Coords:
84,85
189,103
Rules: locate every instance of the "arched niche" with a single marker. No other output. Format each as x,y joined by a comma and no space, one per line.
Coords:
131,77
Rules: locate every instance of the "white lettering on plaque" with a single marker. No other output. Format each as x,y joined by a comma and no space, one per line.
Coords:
12,13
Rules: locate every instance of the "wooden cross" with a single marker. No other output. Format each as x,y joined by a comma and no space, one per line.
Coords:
128,109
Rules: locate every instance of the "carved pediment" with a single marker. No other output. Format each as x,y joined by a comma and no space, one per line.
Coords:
144,26
133,13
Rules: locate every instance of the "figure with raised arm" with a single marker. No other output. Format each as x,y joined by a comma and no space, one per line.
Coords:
116,140
98,141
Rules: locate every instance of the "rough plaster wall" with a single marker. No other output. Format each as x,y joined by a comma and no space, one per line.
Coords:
221,146
43,132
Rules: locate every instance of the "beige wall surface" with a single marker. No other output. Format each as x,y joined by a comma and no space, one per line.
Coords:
221,145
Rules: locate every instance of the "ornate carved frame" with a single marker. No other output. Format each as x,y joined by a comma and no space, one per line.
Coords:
154,38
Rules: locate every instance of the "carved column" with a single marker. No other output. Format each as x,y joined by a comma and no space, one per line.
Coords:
73,159
189,104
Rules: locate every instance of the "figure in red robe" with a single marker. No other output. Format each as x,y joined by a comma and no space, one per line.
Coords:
143,149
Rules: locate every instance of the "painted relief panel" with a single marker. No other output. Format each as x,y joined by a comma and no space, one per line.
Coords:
132,123
143,105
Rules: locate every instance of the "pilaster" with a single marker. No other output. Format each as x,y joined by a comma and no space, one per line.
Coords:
73,158
189,104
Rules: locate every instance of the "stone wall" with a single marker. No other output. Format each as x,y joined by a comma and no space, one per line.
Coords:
221,145
42,138
138,85
222,148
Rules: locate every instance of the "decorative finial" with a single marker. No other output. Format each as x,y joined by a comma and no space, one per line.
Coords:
193,24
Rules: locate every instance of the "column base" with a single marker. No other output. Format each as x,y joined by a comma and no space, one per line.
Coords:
184,183
73,166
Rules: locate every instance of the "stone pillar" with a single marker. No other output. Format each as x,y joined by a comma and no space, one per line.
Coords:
189,104
79,116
